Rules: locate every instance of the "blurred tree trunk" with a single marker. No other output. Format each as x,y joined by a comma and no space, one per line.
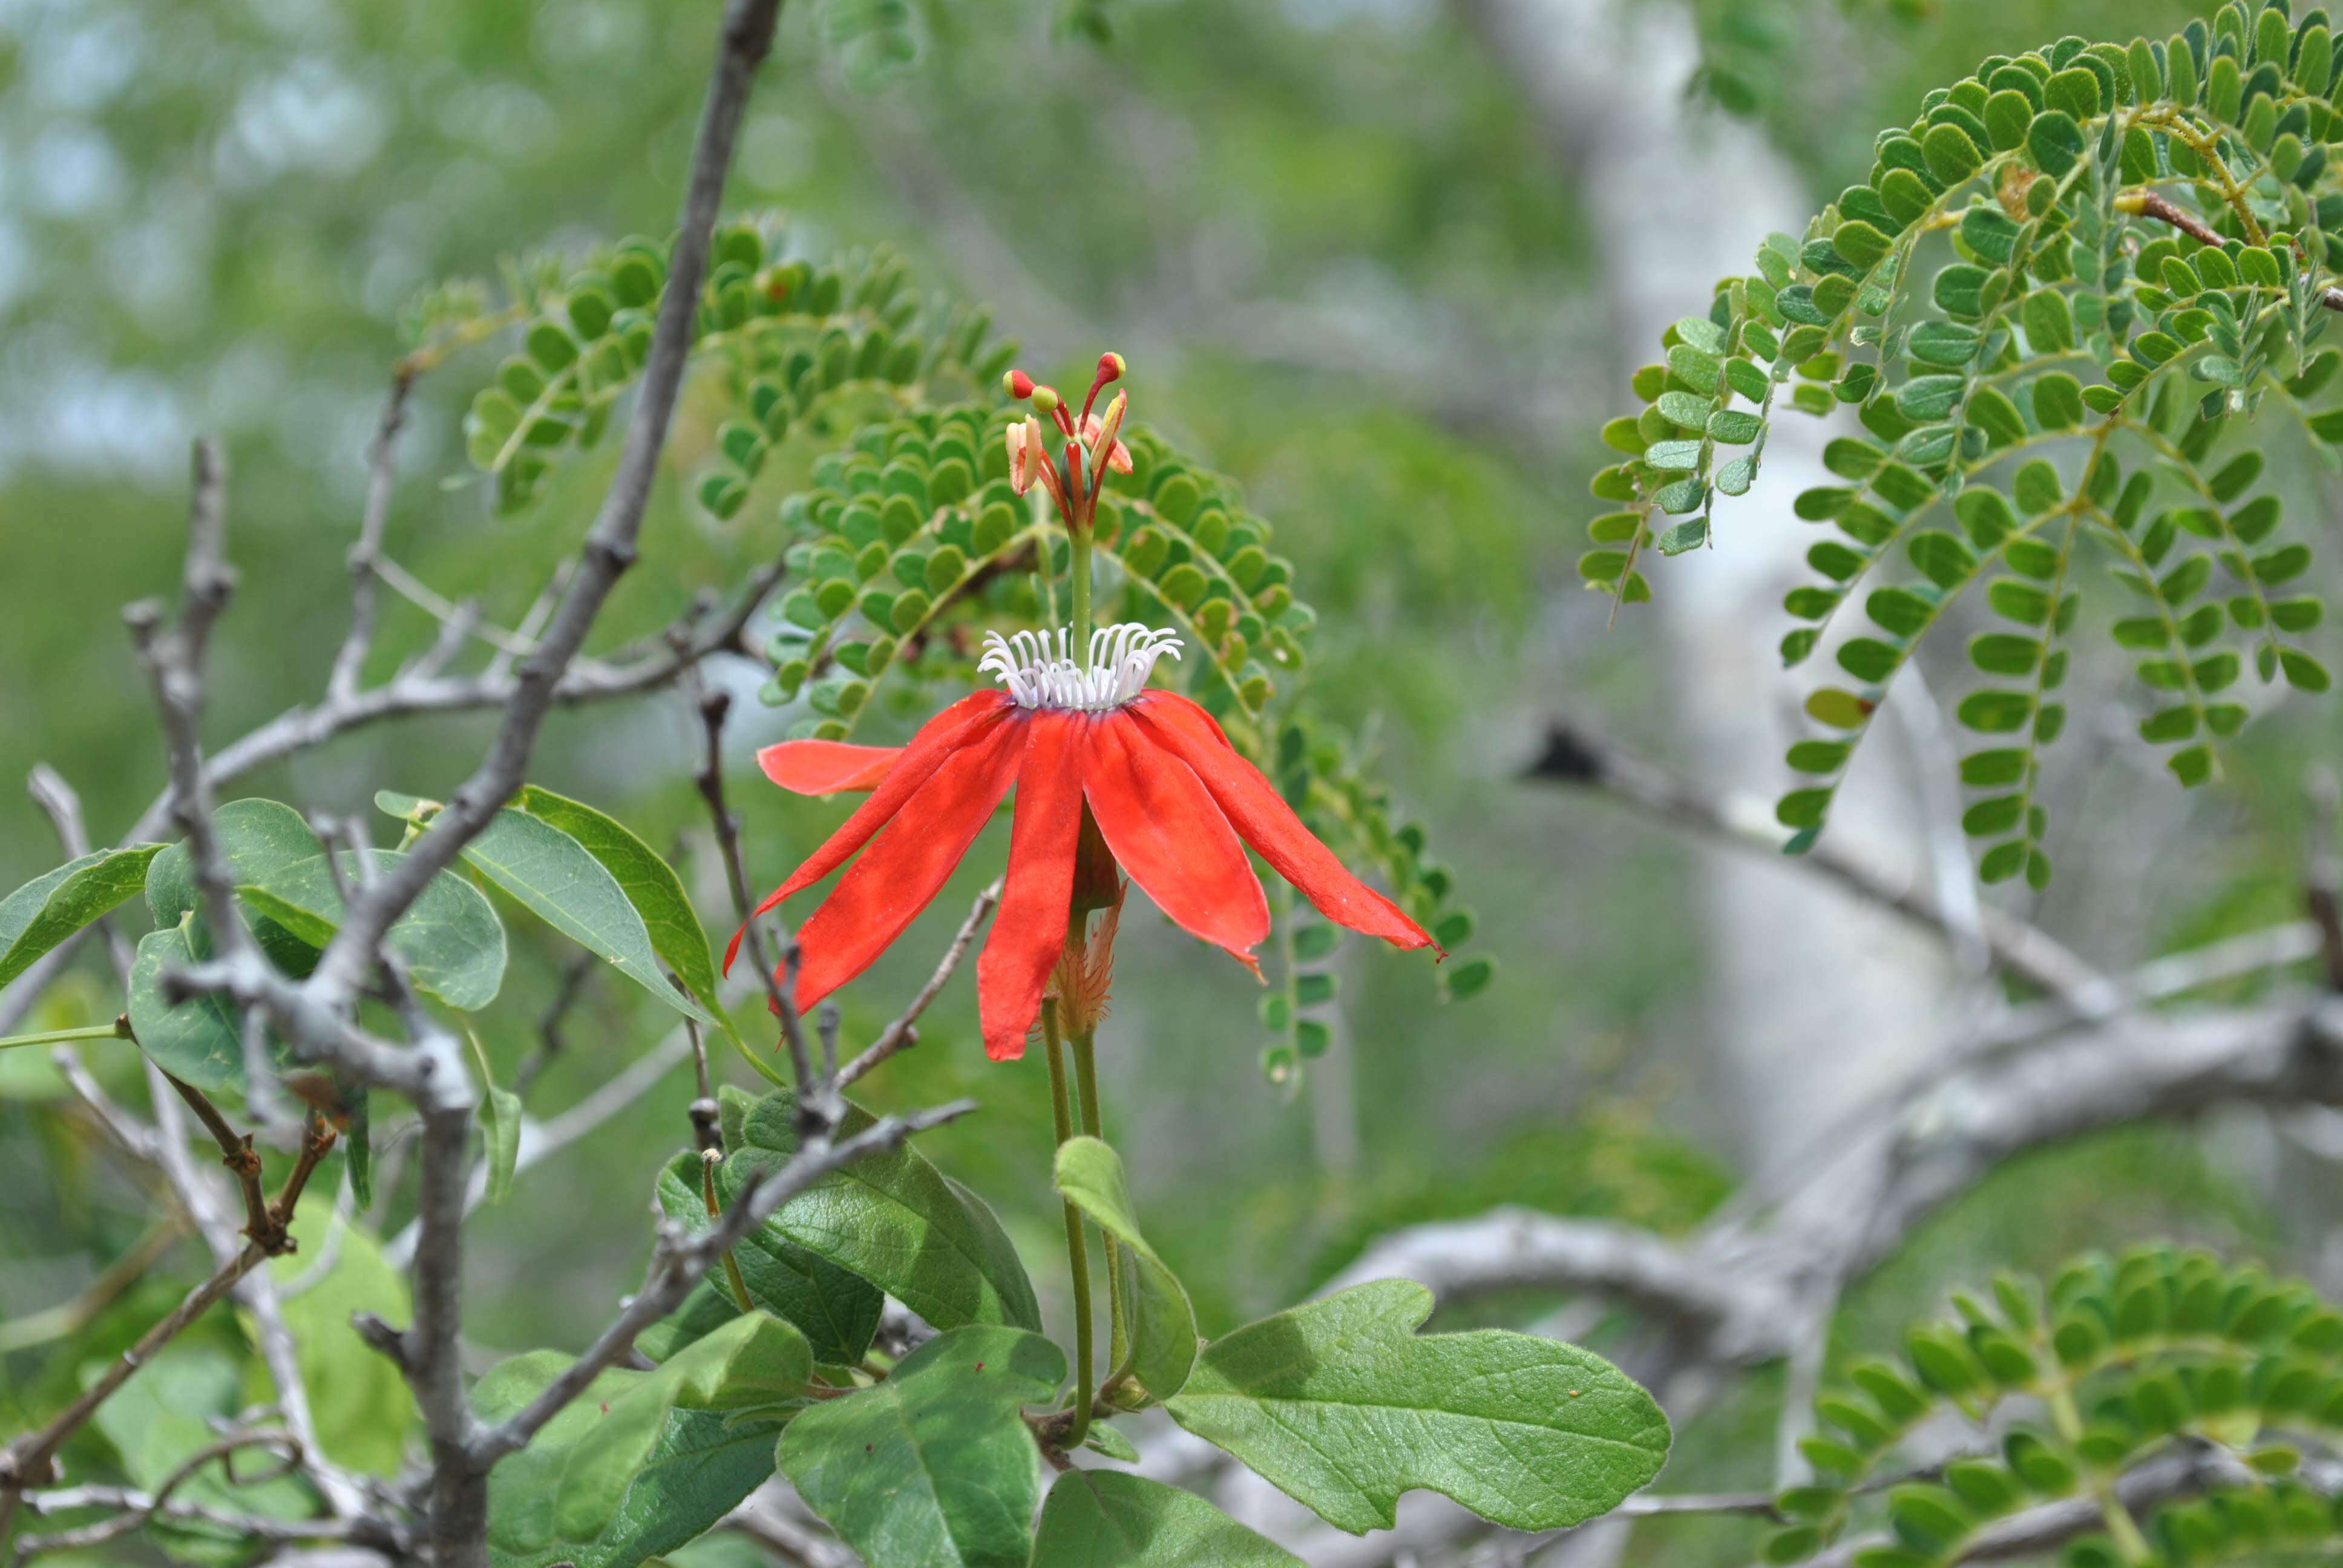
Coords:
1815,1003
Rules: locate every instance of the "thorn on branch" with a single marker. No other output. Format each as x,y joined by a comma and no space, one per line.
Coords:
387,1340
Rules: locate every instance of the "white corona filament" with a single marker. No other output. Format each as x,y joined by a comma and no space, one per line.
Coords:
1040,671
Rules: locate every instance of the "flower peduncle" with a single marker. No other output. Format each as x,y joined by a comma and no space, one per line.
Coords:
1039,670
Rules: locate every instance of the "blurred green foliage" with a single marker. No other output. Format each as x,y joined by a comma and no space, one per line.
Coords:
216,216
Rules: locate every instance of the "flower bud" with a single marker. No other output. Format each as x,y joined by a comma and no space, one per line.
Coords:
1016,384
1028,458
1105,451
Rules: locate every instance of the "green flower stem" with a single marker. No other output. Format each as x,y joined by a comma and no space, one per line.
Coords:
67,1036
1078,1256
1079,587
765,1070
2121,1528
1093,1119
716,1212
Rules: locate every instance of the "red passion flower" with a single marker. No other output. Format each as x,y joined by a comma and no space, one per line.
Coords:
1174,802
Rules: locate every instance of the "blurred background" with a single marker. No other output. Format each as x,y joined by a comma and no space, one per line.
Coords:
1389,263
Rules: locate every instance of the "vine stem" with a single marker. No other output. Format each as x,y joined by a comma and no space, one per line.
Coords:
1078,1257
1093,1120
709,1162
64,1036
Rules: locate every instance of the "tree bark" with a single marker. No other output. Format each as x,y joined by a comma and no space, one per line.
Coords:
1814,1004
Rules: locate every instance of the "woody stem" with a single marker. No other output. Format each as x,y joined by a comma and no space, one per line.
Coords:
1093,1119
1078,1257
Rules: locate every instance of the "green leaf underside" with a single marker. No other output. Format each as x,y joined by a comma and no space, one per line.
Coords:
1106,1519
452,942
1164,1327
935,1467
201,1040
1344,1407
650,884
894,1220
47,910
641,1462
835,1308
361,1404
173,1409
568,887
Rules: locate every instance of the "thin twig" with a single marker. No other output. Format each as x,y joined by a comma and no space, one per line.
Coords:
71,1317
706,1116
237,1154
138,1509
28,1461
531,625
366,556
780,980
550,1038
540,1141
133,1137
509,645
420,691
1573,756
211,1453
62,803
610,543
2149,203
901,1035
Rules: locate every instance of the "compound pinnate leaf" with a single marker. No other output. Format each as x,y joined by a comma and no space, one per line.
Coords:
641,1462
935,1467
1162,1333
1105,1519
836,1309
47,910
896,1221
1344,1406
568,887
451,940
649,883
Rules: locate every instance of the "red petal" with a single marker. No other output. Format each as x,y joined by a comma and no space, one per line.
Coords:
959,725
1165,831
894,879
1260,814
1031,929
826,767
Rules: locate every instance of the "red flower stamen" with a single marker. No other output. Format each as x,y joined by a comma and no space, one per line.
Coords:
1110,370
